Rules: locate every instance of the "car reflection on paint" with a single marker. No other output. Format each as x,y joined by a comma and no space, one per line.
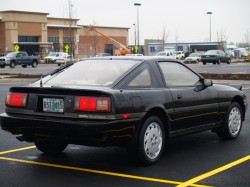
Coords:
133,102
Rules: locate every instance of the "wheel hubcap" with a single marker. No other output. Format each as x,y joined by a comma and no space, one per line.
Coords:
153,140
234,121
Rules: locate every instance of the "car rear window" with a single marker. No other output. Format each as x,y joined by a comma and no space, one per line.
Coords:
93,72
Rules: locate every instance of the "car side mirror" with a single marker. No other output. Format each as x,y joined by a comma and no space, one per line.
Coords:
207,82
203,84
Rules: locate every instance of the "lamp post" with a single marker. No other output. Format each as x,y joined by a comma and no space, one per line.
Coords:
138,39
210,13
135,34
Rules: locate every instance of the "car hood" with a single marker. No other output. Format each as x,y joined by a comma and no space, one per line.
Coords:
233,87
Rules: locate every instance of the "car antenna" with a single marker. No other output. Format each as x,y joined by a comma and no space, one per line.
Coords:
41,81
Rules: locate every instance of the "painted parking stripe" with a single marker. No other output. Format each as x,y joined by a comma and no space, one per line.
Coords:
16,150
215,171
99,172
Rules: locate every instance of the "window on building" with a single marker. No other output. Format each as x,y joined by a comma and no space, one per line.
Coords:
67,40
152,49
28,38
53,39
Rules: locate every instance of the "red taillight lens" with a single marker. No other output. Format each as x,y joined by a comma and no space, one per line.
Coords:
92,104
16,99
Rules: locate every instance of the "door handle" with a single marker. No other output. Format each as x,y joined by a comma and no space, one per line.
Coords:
179,96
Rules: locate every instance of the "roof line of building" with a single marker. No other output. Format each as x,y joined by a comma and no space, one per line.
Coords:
109,27
26,12
65,26
70,19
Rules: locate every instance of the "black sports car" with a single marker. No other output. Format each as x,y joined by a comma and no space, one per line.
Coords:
133,102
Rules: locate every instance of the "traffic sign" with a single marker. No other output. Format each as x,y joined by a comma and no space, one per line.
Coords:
67,48
136,49
17,48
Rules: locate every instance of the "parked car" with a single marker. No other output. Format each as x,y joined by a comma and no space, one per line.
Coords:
103,54
65,60
53,56
180,55
19,58
193,57
137,54
166,54
215,56
133,102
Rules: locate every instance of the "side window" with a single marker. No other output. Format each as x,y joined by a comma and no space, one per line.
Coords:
141,80
176,74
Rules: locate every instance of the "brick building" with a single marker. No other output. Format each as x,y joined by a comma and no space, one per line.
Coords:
35,32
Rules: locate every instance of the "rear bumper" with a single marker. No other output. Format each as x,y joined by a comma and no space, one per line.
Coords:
94,133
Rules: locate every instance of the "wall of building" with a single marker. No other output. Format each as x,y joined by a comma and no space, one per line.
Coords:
2,38
21,23
35,29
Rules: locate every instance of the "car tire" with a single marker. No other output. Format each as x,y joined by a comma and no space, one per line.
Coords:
232,126
150,142
50,147
12,64
219,61
2,66
204,63
34,64
214,62
24,66
59,64
229,61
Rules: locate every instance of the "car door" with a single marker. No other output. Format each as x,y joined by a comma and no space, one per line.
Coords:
223,56
194,105
19,58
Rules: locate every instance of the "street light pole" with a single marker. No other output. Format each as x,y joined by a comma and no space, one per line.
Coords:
138,33
135,34
210,13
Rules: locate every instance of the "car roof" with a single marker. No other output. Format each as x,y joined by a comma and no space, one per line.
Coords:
138,58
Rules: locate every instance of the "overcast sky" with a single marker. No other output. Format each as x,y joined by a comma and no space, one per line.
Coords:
186,20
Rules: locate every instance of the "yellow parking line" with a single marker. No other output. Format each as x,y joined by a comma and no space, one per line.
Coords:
98,172
16,150
213,172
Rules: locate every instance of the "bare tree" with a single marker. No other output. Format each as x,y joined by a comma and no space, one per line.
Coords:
176,39
164,37
222,38
93,39
247,39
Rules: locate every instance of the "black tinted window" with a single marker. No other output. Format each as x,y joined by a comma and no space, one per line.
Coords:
143,80
91,72
176,74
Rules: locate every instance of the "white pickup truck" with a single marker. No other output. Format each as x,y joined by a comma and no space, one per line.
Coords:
53,56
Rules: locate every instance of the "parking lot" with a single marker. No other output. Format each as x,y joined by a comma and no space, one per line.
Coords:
195,160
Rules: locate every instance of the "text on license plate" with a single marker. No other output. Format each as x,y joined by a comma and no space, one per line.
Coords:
53,105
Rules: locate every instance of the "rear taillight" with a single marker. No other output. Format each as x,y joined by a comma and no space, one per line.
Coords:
92,104
16,99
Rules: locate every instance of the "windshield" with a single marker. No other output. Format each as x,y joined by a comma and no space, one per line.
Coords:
93,72
52,54
193,55
211,52
12,54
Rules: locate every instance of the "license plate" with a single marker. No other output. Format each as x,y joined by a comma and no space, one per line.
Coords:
53,105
